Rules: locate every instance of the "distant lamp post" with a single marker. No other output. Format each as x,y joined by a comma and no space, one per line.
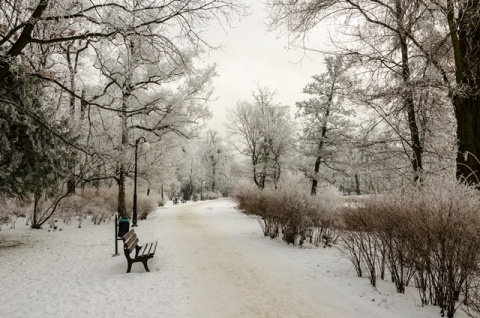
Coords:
145,146
201,191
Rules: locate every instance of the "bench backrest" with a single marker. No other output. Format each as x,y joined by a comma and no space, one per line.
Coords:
130,240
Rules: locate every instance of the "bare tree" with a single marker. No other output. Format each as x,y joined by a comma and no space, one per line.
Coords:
262,131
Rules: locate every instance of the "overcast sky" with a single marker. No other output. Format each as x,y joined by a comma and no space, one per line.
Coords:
252,55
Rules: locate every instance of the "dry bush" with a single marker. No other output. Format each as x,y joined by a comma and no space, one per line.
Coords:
110,197
160,201
11,209
146,205
103,202
211,195
361,243
70,208
89,201
253,201
446,242
429,233
290,212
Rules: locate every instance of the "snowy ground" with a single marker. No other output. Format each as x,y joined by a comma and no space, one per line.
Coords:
212,261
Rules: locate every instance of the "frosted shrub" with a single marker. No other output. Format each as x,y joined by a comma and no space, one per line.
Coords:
160,200
146,205
253,201
210,195
289,212
98,208
110,197
429,233
108,201
356,231
446,242
71,207
100,204
3,212
11,209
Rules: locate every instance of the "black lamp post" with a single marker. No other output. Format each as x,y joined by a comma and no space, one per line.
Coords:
201,191
145,145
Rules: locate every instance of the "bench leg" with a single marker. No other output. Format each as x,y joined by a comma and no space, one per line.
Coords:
129,267
145,265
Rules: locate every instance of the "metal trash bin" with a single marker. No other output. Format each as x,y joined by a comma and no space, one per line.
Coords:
123,226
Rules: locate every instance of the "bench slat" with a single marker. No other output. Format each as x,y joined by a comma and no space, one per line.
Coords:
152,249
148,249
142,250
129,237
129,234
131,245
130,242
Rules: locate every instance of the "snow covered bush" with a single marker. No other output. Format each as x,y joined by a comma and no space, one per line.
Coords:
290,212
210,195
87,202
428,233
145,206
11,209
253,201
71,208
3,212
160,200
100,204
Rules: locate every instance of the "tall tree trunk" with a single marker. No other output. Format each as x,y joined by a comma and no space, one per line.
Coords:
315,179
72,164
318,159
357,185
213,176
408,101
36,199
126,93
465,36
122,208
467,114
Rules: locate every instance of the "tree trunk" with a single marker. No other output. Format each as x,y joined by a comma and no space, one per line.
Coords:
213,176
467,114
357,185
465,36
122,207
408,103
36,199
318,160
314,179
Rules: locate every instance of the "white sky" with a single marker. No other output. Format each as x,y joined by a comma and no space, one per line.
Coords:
251,55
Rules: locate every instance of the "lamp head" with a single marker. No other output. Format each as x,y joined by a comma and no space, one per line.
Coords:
145,146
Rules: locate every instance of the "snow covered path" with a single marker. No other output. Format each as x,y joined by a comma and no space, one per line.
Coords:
229,276
212,261
231,270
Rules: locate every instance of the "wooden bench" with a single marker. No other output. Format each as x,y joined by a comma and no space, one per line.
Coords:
142,253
